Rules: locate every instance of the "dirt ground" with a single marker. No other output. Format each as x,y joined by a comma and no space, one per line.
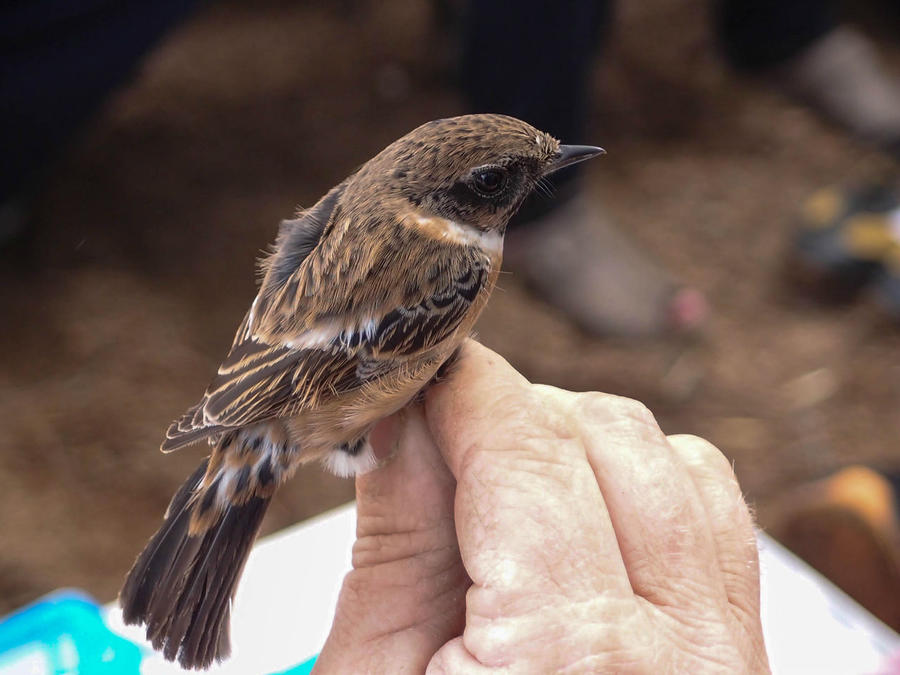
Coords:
141,256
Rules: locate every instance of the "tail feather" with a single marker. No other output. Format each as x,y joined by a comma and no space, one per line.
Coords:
139,590
182,584
212,617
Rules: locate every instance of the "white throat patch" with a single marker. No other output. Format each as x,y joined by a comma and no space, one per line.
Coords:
489,241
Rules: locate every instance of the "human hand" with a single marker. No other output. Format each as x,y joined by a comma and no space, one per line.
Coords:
591,541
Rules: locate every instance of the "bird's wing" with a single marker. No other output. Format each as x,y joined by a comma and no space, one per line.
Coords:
294,351
416,328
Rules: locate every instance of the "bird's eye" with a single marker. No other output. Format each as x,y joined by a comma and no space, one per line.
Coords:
489,182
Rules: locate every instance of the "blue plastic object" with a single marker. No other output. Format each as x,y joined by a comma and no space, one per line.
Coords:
64,634
304,668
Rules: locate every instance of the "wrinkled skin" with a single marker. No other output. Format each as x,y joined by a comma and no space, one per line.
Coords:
519,528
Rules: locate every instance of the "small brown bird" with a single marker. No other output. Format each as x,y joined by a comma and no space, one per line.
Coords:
363,298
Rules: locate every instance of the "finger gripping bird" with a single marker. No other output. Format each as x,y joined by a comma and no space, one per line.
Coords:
364,296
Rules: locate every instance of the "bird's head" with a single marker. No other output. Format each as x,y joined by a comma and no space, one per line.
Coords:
474,169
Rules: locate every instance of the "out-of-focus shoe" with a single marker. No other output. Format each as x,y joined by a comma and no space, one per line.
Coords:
846,526
577,260
841,76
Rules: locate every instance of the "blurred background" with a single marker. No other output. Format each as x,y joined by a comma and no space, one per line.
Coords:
127,269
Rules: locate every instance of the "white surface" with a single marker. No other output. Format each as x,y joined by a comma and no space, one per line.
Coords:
286,599
811,626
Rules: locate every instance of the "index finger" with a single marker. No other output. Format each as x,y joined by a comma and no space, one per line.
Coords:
529,513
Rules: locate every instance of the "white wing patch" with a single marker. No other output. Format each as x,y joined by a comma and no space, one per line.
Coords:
330,333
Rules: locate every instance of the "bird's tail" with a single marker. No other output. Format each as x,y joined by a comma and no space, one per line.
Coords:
181,585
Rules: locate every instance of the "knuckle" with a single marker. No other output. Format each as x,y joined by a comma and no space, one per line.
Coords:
593,404
635,410
599,406
699,453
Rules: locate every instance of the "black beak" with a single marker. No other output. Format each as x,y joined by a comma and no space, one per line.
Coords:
572,154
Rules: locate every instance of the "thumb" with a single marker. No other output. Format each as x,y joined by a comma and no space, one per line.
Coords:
411,482
405,596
